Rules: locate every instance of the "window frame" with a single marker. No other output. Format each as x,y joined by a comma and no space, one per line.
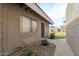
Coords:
36,25
21,24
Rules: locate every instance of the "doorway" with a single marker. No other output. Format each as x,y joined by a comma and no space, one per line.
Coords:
42,30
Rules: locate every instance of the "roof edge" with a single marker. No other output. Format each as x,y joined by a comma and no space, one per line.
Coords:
44,12
45,16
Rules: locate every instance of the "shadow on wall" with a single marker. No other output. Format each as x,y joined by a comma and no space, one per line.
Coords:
73,35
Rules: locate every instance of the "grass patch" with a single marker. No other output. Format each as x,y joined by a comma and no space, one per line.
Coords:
57,35
60,35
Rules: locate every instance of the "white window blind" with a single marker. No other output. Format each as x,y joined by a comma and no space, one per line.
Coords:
34,26
24,24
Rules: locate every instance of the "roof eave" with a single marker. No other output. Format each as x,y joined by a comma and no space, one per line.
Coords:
45,16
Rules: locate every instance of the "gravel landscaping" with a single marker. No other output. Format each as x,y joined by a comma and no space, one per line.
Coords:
36,49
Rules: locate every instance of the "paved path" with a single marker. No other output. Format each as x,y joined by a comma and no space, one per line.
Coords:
62,48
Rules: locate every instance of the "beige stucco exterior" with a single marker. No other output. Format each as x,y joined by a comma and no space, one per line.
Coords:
0,28
63,28
10,36
72,16
52,29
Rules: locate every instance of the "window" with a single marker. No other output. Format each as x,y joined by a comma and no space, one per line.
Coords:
24,24
34,26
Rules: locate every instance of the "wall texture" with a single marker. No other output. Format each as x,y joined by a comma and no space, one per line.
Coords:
73,27
12,38
0,29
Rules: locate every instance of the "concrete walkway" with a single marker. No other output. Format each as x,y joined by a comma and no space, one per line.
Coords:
62,48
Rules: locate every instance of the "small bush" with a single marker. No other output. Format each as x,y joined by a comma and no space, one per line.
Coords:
29,52
52,36
44,42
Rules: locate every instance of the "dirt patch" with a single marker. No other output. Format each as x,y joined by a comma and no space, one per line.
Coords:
43,50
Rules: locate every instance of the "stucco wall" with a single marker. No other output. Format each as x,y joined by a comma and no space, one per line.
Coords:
11,35
73,27
0,29
54,29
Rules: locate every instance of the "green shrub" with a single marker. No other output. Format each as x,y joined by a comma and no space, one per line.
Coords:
44,42
52,36
29,52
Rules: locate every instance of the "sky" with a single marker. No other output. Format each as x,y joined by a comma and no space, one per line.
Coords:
56,11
